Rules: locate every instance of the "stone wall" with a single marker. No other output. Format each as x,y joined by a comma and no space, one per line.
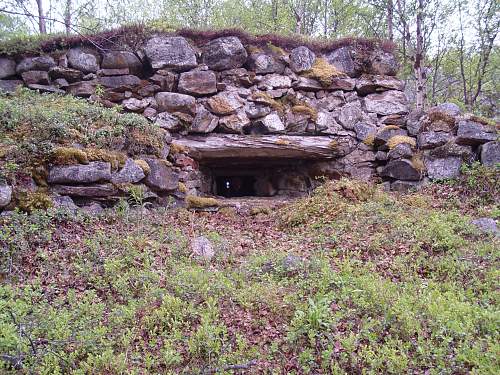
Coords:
344,111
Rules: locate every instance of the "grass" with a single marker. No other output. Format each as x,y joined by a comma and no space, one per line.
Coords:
400,139
385,284
323,72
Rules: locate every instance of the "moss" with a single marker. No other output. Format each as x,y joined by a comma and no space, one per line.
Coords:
480,119
176,148
307,110
31,201
254,49
275,49
369,140
418,163
69,156
389,127
260,210
333,144
323,72
141,141
143,165
399,139
194,201
40,174
282,142
182,187
117,159
265,98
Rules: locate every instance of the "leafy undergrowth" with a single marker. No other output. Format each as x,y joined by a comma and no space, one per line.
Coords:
349,280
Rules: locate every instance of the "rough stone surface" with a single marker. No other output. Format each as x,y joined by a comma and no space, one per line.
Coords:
204,121
5,195
7,67
129,174
166,120
401,170
349,115
342,60
202,248
443,168
135,105
162,177
35,63
65,203
383,63
70,75
486,225
387,103
170,52
386,133
225,103
263,63
301,59
368,84
122,60
272,122
364,130
36,77
120,83
84,60
473,133
197,83
428,140
234,123
224,53
10,85
80,173
89,191
82,88
401,151
490,153
173,102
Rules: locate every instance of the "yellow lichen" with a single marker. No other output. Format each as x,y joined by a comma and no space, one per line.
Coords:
260,210
143,165
276,50
194,201
323,72
307,110
176,148
69,156
399,139
369,140
117,159
182,187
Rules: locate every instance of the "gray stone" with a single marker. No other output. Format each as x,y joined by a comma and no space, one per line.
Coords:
63,202
401,169
122,60
364,130
473,133
275,81
83,89
443,168
197,83
224,53
427,140
254,111
234,123
173,102
83,59
368,84
387,103
404,186
162,177
401,151
414,121
202,248
342,60
172,52
70,75
35,63
262,63
307,84
129,174
36,77
5,195
89,191
204,121
166,120
345,84
449,110
7,67
383,63
292,263
486,225
386,133
301,59
490,154
80,173
326,124
10,86
120,83
225,103
135,105
164,79
272,122
350,114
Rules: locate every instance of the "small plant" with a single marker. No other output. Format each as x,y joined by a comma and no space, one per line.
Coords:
400,139
323,72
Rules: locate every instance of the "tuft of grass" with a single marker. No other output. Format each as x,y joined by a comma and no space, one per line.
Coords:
194,201
369,140
323,72
143,165
182,187
176,148
418,163
399,139
69,156
32,201
307,110
265,98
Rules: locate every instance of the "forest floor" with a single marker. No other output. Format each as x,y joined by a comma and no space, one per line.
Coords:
348,280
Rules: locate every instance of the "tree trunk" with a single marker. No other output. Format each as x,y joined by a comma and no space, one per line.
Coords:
67,17
390,16
42,28
418,68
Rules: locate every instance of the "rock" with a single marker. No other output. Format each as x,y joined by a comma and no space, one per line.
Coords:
486,225
64,203
401,151
120,83
254,111
326,124
10,85
150,113
113,72
445,112
36,77
368,84
234,123
359,156
490,154
202,248
401,169
473,133
404,186
350,114
275,81
93,208
307,84
452,149
162,177
387,103
83,89
173,102
35,63
80,173
70,75
383,63
301,59
7,67
414,121
197,83
292,263
90,191
345,84
386,133
443,168
5,195
122,60
83,59
225,103
364,130
173,52
272,123
262,63
427,140
342,60
204,121
164,79
129,174
224,53
135,105
45,88
166,120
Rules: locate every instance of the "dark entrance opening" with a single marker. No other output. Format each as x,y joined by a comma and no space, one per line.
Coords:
235,186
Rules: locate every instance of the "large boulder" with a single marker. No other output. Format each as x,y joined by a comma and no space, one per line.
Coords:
173,102
5,195
490,153
350,114
197,83
431,139
161,177
234,123
86,60
120,83
122,60
443,168
7,67
129,174
342,60
262,63
173,52
301,59
387,103
225,103
35,63
473,133
204,121
383,63
36,77
70,75
80,173
88,191
368,84
224,53
401,169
